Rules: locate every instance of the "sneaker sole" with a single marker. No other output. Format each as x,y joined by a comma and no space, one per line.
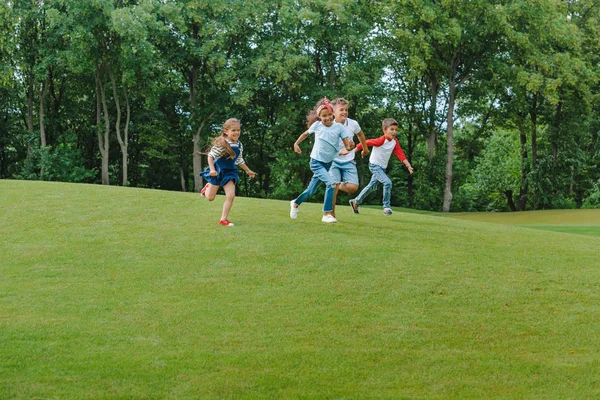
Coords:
353,206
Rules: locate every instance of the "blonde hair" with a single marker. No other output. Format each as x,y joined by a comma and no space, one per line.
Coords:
339,101
386,123
221,140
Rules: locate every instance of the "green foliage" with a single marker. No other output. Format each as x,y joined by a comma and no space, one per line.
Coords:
496,171
593,199
521,66
63,164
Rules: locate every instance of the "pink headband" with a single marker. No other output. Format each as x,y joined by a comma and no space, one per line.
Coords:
323,106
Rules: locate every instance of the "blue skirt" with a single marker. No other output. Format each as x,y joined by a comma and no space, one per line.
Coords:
223,176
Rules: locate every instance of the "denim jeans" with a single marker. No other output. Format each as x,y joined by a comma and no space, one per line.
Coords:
378,176
321,174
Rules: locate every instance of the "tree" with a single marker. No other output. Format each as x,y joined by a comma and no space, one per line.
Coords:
449,42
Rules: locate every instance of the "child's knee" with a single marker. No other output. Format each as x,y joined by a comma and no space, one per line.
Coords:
387,184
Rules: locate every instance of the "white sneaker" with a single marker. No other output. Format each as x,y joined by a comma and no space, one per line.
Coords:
293,210
328,218
387,211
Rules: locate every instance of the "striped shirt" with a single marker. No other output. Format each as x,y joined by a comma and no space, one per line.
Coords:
219,151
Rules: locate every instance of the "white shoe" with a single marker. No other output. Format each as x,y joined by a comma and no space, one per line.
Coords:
387,211
293,210
328,218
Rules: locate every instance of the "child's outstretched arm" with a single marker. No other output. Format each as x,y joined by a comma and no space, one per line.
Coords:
363,143
371,142
402,157
408,166
300,140
250,173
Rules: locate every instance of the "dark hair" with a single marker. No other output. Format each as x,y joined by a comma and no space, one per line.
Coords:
313,115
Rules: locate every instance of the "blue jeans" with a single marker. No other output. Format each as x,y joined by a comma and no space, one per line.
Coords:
321,174
378,176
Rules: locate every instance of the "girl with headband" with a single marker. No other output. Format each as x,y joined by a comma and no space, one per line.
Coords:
327,135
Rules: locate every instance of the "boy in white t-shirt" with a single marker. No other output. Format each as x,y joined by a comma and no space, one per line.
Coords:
343,169
383,147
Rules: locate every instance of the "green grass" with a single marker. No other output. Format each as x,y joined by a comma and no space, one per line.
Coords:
110,292
581,222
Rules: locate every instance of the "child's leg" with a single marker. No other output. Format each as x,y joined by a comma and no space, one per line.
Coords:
336,175
321,171
348,187
328,202
379,174
336,189
309,191
349,177
229,189
211,192
365,192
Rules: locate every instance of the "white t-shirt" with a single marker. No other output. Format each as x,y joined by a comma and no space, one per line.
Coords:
353,128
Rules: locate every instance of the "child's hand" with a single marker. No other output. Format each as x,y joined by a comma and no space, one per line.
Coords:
351,142
343,152
365,152
251,173
213,172
410,169
297,149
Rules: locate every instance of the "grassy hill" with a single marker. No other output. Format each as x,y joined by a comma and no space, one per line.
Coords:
111,292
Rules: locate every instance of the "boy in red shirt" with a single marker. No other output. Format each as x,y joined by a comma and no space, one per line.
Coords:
383,147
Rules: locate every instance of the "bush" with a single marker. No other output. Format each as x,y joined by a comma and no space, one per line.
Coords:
62,163
593,200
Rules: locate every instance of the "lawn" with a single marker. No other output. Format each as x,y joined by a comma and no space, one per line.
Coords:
111,292
582,222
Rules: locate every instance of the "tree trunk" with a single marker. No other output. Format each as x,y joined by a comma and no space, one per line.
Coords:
197,158
41,116
533,114
103,143
182,179
410,148
42,113
434,88
524,167
331,60
509,199
196,161
556,131
30,105
126,138
123,143
450,138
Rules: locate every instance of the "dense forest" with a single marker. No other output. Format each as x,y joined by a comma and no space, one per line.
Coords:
498,101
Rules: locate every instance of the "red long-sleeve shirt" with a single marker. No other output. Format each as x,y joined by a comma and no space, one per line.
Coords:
382,150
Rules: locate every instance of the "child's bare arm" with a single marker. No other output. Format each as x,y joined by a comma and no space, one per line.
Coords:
347,144
363,141
408,166
211,165
300,139
250,173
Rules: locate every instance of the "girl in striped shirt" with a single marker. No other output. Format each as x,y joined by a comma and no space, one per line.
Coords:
224,158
